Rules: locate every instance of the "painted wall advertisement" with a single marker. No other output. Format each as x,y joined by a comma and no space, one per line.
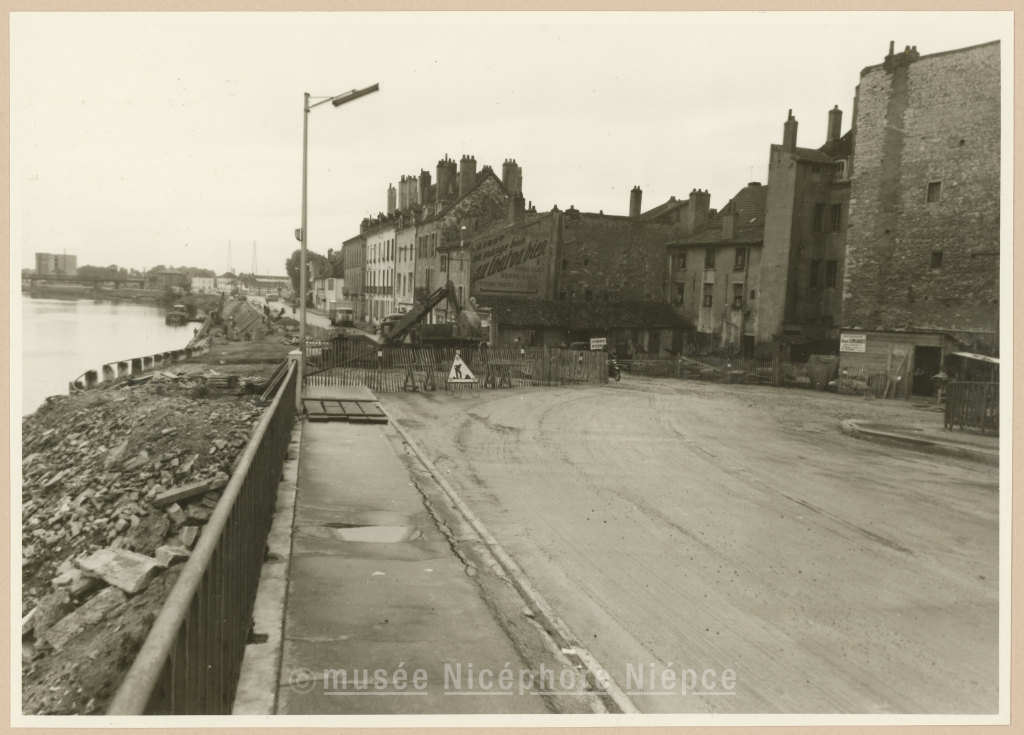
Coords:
510,263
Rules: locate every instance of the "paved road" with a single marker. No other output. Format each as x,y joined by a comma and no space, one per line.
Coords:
695,526
275,306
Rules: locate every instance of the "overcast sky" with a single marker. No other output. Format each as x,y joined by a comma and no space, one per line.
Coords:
158,138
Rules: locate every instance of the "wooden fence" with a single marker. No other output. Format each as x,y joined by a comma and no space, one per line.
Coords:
973,406
809,375
392,369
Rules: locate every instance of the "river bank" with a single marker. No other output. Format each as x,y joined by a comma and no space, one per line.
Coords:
88,292
97,467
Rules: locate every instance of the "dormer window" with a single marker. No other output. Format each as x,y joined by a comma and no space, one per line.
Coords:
841,170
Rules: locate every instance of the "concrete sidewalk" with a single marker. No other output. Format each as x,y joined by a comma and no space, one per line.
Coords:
376,591
928,438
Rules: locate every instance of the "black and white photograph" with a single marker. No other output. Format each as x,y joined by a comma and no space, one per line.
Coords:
539,368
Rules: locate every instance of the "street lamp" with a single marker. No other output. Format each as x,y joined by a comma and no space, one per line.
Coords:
337,101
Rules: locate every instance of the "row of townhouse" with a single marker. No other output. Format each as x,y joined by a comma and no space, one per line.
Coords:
880,245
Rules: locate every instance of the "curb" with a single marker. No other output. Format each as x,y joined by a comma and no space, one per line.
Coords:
852,428
258,677
566,639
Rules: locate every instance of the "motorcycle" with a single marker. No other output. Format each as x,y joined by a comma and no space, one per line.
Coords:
613,368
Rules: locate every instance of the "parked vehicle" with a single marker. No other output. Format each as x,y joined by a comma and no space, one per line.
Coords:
272,298
613,367
342,317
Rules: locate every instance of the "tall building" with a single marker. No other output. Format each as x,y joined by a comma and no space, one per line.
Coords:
48,264
805,232
922,253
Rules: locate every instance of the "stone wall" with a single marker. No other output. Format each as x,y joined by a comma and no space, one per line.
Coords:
920,121
614,258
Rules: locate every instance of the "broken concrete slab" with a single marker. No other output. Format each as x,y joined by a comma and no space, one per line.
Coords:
121,568
187,535
182,493
50,609
90,613
197,514
176,514
168,556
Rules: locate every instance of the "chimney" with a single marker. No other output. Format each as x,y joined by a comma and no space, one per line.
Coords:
391,198
789,134
424,187
516,208
728,225
634,202
446,175
697,210
835,124
512,177
467,174
403,194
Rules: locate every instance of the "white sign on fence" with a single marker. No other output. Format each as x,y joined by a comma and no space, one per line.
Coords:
853,342
598,343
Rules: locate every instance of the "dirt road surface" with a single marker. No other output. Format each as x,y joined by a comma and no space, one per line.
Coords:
710,527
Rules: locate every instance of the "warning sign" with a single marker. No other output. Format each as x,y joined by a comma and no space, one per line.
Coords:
460,373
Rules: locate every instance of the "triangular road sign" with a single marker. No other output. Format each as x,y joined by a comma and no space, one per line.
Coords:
460,373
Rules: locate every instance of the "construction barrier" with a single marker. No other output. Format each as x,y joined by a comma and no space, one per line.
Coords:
388,369
973,406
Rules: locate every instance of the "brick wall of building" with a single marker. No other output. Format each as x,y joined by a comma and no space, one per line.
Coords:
919,121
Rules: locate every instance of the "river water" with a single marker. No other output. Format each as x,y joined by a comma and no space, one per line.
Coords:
63,338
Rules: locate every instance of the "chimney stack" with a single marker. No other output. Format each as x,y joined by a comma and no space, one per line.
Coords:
634,202
516,208
697,210
512,177
835,124
403,194
424,187
467,174
789,134
391,199
446,175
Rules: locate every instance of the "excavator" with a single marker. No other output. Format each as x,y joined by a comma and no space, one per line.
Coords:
465,331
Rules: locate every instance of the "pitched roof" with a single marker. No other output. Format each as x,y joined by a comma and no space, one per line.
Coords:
749,206
840,147
661,209
596,315
809,154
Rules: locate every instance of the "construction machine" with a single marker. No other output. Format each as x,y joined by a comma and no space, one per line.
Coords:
465,331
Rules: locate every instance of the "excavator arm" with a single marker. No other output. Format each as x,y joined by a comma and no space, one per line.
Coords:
420,310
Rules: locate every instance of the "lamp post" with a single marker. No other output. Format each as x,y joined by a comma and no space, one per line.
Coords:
337,101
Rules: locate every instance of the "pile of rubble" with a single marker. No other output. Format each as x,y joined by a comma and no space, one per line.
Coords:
117,487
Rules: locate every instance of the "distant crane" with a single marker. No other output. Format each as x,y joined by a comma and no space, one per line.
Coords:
230,268
254,257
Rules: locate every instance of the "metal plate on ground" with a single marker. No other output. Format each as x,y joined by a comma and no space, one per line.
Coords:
355,412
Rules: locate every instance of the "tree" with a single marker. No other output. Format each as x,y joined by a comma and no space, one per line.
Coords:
291,265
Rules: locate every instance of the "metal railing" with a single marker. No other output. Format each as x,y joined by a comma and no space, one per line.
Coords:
190,661
973,406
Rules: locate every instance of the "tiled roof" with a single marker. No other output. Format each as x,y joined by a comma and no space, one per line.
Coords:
749,205
809,154
596,315
840,147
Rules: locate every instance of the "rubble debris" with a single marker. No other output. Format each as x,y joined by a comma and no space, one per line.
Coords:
90,613
182,493
121,568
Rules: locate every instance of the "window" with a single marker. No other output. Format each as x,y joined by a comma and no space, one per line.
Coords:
741,259
835,217
934,191
679,261
936,259
841,170
737,295
679,292
565,264
830,273
819,217
815,268
709,259
330,284
461,301
708,294
444,264
753,294
588,295
561,295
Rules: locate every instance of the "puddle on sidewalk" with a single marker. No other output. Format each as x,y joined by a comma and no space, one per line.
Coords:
373,534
